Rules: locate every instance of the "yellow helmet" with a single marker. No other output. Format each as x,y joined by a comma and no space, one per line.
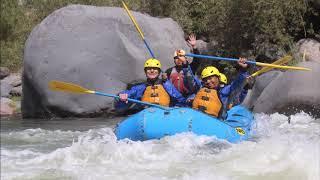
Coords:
152,63
209,71
179,52
223,78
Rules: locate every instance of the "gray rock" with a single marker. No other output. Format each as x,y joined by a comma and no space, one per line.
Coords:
211,46
248,100
311,48
202,46
13,79
16,91
260,84
6,107
4,72
6,100
294,89
5,89
95,47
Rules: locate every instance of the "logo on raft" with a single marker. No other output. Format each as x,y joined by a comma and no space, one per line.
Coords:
240,131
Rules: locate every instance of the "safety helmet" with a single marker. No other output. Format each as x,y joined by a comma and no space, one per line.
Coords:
223,78
209,71
179,52
152,63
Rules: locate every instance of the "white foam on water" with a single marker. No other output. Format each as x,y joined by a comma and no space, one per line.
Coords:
32,136
278,150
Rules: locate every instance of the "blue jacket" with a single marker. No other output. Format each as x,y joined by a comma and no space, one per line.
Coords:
235,86
233,92
136,92
243,95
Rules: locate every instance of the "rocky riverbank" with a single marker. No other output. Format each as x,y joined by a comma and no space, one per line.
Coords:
11,92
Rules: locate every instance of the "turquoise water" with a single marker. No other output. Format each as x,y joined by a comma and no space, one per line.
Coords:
88,149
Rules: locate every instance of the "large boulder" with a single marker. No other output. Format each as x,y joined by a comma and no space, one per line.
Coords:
292,91
95,47
5,89
13,79
260,84
202,46
16,91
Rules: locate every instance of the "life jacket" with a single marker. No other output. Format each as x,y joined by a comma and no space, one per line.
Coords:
207,100
177,79
156,94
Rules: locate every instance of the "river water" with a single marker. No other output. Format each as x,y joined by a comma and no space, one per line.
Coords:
88,149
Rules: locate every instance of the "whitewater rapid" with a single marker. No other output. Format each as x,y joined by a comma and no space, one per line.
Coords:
277,150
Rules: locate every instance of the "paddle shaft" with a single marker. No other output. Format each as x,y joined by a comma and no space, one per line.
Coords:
131,100
217,58
138,29
278,62
149,49
248,62
75,88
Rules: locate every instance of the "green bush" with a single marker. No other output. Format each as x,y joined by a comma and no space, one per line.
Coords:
10,36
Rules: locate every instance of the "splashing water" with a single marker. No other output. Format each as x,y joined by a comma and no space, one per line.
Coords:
277,150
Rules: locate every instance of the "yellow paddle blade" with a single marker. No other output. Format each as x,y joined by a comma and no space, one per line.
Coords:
281,61
132,19
282,67
68,87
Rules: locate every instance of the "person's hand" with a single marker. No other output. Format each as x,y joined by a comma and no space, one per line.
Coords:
250,78
242,62
192,41
250,81
164,76
124,97
189,100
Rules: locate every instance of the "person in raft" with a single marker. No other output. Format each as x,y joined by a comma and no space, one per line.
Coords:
212,98
231,96
155,90
181,75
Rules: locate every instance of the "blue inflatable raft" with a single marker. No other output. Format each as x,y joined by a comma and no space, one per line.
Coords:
155,123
